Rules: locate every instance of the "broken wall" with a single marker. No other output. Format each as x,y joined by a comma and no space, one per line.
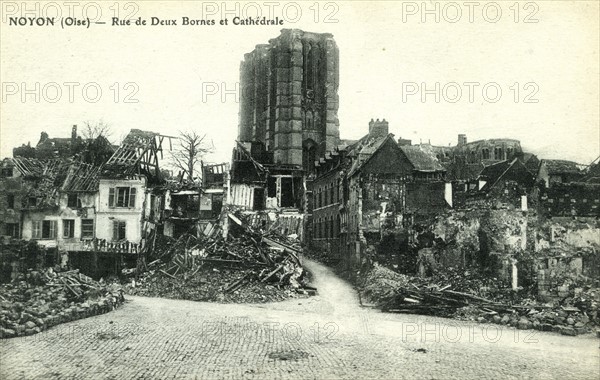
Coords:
573,199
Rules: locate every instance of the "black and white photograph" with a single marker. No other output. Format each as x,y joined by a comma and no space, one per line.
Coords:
300,189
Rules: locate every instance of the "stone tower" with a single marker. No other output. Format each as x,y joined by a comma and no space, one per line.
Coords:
289,98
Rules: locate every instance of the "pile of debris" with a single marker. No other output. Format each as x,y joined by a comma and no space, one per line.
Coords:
249,266
574,314
42,299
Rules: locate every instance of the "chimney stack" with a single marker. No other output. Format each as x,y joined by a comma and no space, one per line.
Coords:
378,128
462,139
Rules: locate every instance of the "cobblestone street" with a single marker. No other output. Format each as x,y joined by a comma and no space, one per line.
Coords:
327,336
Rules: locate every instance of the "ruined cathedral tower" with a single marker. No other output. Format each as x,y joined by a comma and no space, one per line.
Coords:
289,98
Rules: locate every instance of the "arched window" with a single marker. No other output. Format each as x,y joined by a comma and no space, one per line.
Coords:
309,121
498,153
508,153
485,153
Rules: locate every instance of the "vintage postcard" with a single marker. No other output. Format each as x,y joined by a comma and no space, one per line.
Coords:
299,189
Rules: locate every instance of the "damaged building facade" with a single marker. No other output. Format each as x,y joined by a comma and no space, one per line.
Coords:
85,216
288,118
372,189
102,218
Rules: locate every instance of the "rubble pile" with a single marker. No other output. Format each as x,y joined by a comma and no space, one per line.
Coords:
380,283
43,299
248,266
576,312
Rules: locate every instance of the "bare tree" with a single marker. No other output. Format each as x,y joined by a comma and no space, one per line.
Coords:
94,148
187,157
92,131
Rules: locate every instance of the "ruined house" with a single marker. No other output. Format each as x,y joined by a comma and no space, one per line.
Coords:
86,216
215,178
466,160
288,118
507,182
271,195
372,188
11,195
559,171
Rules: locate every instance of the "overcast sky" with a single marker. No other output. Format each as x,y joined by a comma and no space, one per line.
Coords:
177,74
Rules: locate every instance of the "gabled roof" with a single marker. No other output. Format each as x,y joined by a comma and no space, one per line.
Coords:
495,172
560,167
423,161
364,149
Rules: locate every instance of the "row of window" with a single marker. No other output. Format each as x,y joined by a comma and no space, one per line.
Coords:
326,228
47,229
117,197
327,195
498,153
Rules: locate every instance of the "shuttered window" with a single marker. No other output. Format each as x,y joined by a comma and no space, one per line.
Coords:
68,228
44,229
122,196
36,229
87,228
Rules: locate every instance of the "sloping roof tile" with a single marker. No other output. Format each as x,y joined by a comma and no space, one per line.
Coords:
561,166
422,160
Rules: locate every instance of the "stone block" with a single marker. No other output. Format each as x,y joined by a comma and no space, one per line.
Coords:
296,126
296,75
524,324
296,88
332,116
283,89
295,157
7,333
546,327
295,141
282,75
296,100
283,59
284,101
281,140
570,321
296,113
568,330
581,330
283,113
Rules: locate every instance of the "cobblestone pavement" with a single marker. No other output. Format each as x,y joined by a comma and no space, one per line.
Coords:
324,337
